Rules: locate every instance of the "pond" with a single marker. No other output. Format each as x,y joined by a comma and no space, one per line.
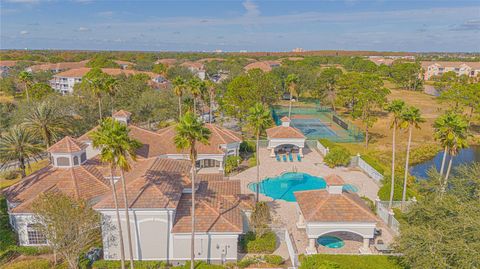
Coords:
466,156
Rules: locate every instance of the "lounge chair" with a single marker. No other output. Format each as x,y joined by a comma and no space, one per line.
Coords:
290,156
299,158
382,248
277,157
284,158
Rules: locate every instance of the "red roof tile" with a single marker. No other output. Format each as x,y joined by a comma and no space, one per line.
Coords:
321,206
284,132
67,145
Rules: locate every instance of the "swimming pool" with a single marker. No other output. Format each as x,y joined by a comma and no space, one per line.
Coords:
282,187
330,242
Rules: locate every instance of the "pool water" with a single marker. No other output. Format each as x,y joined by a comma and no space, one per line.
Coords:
350,188
330,242
282,187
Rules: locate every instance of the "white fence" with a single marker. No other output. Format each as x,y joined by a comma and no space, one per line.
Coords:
323,150
292,249
389,217
369,170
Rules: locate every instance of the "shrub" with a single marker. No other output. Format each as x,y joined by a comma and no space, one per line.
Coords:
369,203
231,163
273,259
245,262
104,264
7,236
253,243
198,265
326,261
337,156
30,264
10,175
247,147
252,161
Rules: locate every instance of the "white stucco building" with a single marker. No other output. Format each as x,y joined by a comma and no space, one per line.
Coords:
159,196
470,69
285,138
321,212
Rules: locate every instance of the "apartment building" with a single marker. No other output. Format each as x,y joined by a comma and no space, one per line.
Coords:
5,67
64,82
471,69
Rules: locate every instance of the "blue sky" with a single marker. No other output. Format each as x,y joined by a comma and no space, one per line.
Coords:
402,25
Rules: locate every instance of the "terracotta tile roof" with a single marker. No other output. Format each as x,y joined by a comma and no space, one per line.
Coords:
334,180
122,113
83,181
67,145
321,206
162,142
285,119
194,65
8,63
166,61
265,66
284,132
80,72
473,65
59,66
153,183
219,136
218,208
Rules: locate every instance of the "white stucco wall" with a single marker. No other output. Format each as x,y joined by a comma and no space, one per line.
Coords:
149,230
364,229
208,247
19,223
275,142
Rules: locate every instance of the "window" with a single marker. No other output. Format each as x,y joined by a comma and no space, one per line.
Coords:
35,237
75,160
63,161
83,157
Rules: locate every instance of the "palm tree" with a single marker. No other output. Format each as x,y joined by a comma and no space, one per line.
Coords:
259,119
189,131
195,86
111,86
117,149
451,129
179,86
411,117
47,122
291,81
211,86
97,87
27,79
19,145
395,107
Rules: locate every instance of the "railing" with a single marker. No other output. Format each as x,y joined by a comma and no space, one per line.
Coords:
368,169
292,249
381,208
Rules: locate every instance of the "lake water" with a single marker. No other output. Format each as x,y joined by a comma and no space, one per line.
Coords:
465,156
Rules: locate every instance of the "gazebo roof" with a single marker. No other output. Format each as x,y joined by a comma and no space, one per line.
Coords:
67,145
284,132
322,206
285,118
334,180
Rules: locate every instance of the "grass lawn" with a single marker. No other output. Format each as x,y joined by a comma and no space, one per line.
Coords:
4,183
349,262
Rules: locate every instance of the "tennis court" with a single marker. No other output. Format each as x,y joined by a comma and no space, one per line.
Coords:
316,123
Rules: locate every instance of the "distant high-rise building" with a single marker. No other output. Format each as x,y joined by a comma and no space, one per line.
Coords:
298,50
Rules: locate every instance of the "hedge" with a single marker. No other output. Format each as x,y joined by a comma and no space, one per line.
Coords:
337,156
104,264
251,243
30,264
373,162
199,265
273,259
325,261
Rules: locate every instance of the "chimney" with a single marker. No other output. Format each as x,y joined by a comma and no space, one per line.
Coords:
335,189
285,121
122,116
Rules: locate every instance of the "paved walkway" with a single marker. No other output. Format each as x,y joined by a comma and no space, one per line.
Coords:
284,213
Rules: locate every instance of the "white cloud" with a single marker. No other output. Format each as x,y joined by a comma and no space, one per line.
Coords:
251,8
107,14
24,32
83,29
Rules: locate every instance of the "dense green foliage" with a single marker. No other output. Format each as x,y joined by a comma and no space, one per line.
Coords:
325,261
253,243
337,156
445,222
231,163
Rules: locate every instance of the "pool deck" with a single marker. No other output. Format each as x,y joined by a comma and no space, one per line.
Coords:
284,213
